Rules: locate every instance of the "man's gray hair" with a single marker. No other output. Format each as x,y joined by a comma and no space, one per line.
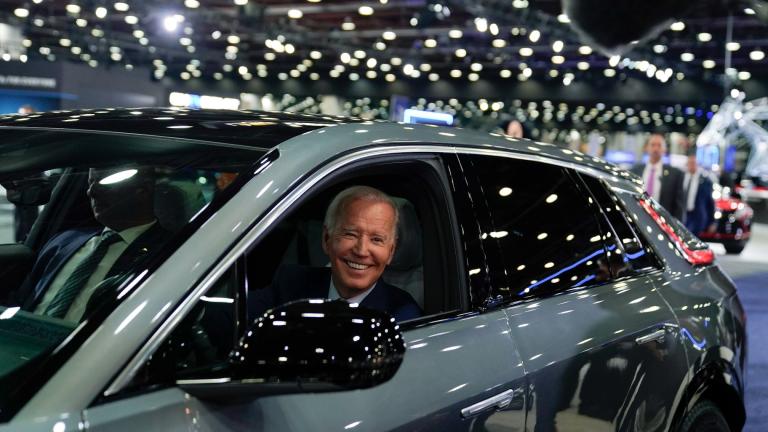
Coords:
354,193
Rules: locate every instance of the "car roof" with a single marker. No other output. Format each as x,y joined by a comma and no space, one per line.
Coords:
268,129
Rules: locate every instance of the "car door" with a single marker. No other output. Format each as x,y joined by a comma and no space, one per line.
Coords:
598,342
460,370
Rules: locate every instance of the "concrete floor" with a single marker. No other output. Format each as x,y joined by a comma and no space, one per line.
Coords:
750,272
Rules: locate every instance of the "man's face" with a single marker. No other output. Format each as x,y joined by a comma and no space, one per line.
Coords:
655,147
515,129
115,195
361,245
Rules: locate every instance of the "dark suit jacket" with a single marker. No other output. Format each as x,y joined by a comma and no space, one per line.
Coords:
60,248
293,282
672,195
703,213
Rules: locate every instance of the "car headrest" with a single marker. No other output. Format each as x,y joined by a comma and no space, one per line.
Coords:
408,250
176,202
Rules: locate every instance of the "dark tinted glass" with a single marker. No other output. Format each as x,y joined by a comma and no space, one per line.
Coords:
471,235
627,254
540,226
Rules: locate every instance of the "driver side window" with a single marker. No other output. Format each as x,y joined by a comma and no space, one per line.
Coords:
293,261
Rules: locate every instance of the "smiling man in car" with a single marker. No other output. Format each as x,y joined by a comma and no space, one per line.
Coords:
359,237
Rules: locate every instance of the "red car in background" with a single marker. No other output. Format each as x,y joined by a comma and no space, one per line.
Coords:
733,217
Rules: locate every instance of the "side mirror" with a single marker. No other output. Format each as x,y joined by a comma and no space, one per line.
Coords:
309,346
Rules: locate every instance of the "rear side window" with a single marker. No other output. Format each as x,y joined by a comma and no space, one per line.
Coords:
541,224
627,254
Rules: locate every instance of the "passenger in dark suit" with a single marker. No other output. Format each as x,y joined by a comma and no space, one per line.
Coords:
62,283
359,237
700,206
663,182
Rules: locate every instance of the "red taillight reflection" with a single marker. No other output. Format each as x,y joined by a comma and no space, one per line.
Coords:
695,257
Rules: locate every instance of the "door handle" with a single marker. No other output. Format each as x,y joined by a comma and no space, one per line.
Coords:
657,335
498,402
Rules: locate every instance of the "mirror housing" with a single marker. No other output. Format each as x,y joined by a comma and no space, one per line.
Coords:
308,346
29,191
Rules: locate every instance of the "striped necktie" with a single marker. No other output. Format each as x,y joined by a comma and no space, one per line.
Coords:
76,281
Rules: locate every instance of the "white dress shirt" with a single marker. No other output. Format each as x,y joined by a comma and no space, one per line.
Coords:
690,200
76,310
659,166
333,294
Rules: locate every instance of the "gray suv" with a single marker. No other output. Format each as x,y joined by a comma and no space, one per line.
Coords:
554,294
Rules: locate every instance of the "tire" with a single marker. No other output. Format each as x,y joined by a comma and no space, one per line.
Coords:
705,417
735,247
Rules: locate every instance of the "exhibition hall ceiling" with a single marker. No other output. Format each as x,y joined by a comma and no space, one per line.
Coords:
385,40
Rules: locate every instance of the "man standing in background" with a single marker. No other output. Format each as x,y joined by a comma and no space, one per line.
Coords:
699,204
663,182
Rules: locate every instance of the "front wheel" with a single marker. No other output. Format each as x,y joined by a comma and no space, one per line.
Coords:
705,417
735,247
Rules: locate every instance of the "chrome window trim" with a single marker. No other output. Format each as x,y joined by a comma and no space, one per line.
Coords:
255,233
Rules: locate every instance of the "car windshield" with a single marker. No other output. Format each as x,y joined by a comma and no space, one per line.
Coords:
81,215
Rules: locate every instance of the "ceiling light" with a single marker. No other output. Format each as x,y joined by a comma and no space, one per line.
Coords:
708,64
65,42
396,61
170,23
494,28
686,57
360,54
388,35
371,74
614,60
295,13
704,37
390,77
563,18
473,77
609,73
749,11
414,21
526,52
131,19
270,56
121,6
527,72
365,10
558,59
461,53
481,24
534,36
381,46
733,46
744,75
582,65
371,63
499,43
455,34
520,4
505,73
101,12
241,2
233,39
557,46
425,67
585,50
347,26
455,73
192,4
477,67
73,8
316,55
21,12
757,55
216,34
677,26
434,77
430,43
659,48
